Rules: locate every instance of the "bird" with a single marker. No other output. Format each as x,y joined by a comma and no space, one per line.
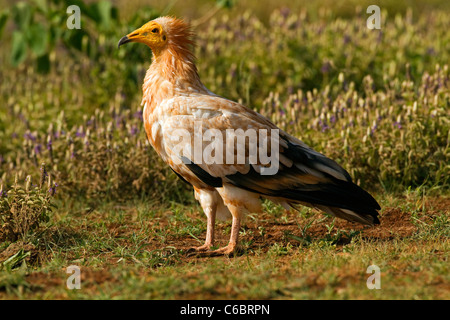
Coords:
179,111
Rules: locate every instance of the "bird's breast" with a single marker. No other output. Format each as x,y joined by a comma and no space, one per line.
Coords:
152,125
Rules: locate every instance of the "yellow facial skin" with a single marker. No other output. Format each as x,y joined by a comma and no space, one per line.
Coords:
151,34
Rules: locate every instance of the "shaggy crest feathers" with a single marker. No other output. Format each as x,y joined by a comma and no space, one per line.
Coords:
177,58
173,68
180,35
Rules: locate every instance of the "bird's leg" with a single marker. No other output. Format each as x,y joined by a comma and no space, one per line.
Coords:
230,248
210,224
208,200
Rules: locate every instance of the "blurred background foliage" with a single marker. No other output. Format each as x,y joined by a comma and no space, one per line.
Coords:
377,101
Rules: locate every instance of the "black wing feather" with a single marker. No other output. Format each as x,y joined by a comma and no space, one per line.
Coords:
333,192
204,176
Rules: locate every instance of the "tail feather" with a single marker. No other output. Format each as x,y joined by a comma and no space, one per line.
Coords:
367,219
342,197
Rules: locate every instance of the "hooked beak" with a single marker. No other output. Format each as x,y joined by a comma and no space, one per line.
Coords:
134,36
123,41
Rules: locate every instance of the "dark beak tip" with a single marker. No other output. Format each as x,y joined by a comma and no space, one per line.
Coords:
122,41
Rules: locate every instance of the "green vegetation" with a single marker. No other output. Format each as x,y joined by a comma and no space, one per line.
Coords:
376,101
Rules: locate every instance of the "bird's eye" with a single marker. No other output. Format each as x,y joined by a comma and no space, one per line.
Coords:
155,30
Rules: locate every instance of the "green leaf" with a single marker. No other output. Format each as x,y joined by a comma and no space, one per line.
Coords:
37,39
104,12
22,15
43,63
3,18
41,5
19,48
228,4
74,38
14,260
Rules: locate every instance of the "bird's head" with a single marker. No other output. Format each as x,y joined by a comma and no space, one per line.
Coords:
161,33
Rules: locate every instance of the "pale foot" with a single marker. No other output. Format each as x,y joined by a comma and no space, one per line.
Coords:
205,247
225,251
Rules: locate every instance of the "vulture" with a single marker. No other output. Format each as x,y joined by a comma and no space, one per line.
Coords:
232,156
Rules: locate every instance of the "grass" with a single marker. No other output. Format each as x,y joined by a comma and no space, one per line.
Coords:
375,101
130,252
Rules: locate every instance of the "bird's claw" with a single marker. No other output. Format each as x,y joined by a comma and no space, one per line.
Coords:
197,250
205,251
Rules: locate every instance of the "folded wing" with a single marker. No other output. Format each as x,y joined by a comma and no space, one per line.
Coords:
303,176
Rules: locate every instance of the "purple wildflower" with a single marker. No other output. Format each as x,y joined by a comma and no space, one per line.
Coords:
59,133
380,36
347,39
80,134
397,124
37,148
134,130
44,172
326,67
119,121
52,190
431,51
29,136
290,90
137,115
333,119
233,72
324,126
284,11
375,127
